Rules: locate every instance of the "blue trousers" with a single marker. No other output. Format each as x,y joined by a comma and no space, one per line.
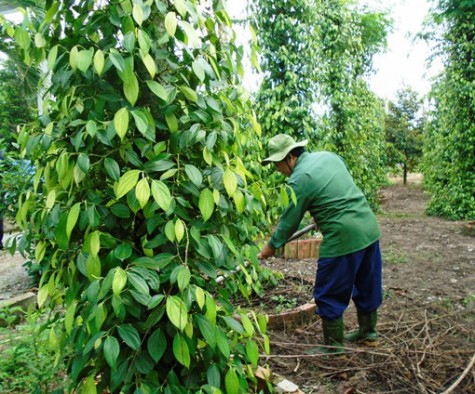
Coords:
356,276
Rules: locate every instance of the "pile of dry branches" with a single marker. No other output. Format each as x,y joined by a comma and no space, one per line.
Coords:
423,349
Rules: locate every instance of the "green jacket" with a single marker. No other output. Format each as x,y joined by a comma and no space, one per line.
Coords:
324,187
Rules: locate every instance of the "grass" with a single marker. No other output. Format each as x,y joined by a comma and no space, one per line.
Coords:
28,364
395,256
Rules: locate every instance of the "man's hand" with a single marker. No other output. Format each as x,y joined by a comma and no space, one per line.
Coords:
266,252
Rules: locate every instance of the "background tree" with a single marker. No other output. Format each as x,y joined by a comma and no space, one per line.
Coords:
16,107
353,124
404,132
287,36
146,195
449,149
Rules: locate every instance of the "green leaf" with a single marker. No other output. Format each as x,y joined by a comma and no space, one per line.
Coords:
130,336
141,121
161,195
118,61
158,90
171,23
189,93
121,122
112,168
252,352
142,192
119,281
198,70
206,204
131,88
127,182
177,312
194,174
123,251
231,382
84,162
138,283
181,351
111,351
156,345
230,182
223,343
73,216
206,329
233,324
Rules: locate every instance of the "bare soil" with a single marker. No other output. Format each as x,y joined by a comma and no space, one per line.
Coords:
427,320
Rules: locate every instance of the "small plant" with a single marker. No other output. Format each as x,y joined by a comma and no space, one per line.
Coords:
283,303
27,361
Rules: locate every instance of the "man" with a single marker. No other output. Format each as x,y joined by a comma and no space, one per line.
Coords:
349,265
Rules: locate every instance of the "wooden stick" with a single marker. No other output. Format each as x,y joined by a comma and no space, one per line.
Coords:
461,377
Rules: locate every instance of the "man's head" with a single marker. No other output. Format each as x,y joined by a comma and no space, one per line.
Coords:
280,148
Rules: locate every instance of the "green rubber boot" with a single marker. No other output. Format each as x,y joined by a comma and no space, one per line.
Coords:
366,334
332,336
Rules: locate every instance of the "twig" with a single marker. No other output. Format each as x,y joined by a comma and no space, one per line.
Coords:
461,377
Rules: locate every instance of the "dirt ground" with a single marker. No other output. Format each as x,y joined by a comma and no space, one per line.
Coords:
427,321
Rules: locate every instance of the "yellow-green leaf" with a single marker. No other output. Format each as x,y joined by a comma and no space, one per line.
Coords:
127,182
206,204
73,57
137,13
172,122
69,317
94,243
85,59
142,192
50,199
171,23
119,281
170,231
177,312
150,64
180,7
161,195
231,382
157,89
181,351
230,182
121,122
40,251
99,61
240,201
73,216
52,55
200,297
179,230
89,385
131,88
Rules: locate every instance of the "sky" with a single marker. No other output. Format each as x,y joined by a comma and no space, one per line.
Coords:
404,62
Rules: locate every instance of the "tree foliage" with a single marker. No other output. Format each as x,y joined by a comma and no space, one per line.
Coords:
449,149
404,132
147,198
353,125
287,37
